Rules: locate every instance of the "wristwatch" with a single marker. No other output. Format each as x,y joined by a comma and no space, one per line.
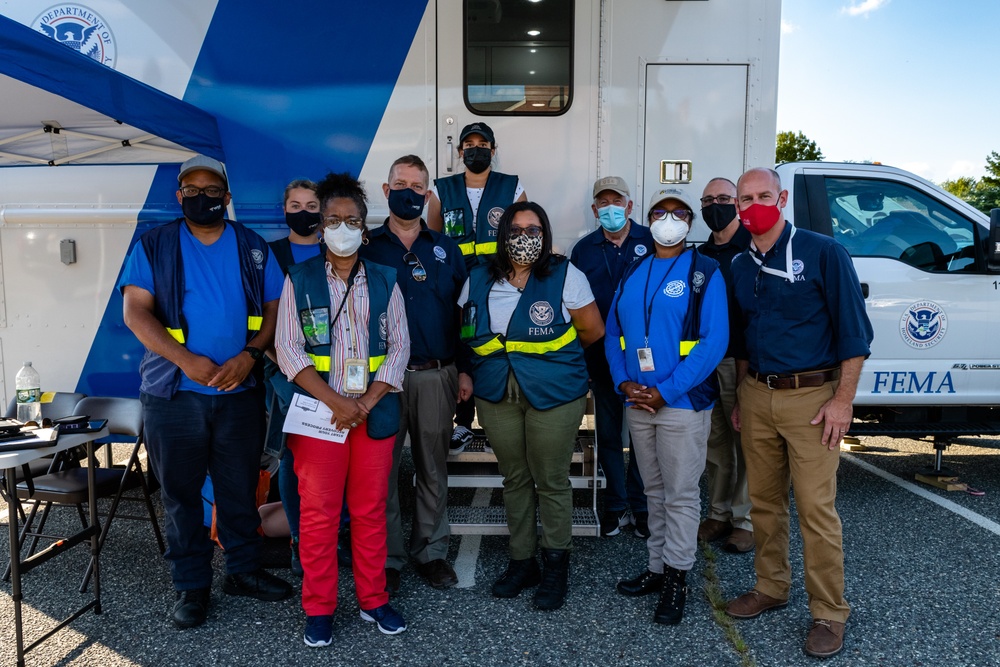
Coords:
253,352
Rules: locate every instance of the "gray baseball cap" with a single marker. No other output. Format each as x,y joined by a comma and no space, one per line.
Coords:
613,183
204,163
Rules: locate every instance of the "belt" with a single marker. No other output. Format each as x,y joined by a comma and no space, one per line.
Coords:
432,364
796,380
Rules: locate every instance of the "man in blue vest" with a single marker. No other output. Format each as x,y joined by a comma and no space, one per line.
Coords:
604,255
201,294
430,273
467,207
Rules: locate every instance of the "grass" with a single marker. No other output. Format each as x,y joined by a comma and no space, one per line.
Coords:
713,593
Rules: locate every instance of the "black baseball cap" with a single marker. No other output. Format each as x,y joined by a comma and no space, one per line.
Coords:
478,128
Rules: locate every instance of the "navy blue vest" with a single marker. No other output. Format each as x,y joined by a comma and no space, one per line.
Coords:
456,211
309,279
540,346
162,245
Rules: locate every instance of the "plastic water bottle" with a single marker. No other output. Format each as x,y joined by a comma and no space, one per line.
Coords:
29,394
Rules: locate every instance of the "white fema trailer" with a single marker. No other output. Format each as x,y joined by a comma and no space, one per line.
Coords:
657,91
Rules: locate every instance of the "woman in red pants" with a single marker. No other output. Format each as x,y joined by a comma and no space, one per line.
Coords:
342,338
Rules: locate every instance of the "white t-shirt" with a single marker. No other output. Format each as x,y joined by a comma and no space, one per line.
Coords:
475,195
504,298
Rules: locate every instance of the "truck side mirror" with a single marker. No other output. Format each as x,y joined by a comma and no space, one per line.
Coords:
993,249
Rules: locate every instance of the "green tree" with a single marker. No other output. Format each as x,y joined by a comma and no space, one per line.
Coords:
963,187
795,146
983,193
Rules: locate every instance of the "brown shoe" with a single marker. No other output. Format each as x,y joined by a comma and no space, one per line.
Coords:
438,573
826,638
711,530
753,604
391,580
739,542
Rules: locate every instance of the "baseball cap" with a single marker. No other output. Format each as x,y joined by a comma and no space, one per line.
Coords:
203,162
669,193
613,183
478,128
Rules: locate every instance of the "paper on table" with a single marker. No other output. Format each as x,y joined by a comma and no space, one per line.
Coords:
311,417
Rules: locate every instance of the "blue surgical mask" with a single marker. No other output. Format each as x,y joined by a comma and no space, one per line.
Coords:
612,217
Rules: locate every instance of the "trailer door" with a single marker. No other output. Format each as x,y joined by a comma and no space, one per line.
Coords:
694,129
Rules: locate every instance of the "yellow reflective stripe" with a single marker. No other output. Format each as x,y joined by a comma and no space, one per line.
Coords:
375,362
177,334
486,248
254,322
687,346
546,346
621,341
468,248
489,347
322,364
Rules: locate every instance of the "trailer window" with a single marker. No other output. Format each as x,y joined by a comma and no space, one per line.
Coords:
518,56
876,218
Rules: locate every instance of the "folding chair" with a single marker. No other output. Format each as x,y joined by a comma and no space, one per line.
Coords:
69,487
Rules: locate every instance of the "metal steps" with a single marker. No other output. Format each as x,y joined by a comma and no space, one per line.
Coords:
493,521
947,429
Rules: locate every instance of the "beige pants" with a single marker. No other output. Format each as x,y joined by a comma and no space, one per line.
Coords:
782,447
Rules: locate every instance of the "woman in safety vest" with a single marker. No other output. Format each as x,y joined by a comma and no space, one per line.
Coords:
342,338
527,317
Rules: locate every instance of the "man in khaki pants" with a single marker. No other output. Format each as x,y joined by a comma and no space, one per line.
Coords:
806,334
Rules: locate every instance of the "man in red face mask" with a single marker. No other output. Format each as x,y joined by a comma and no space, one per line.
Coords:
806,335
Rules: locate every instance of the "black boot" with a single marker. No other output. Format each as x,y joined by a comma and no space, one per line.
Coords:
555,579
670,609
644,584
520,574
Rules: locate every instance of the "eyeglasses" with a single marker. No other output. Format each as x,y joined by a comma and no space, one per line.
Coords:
678,214
332,222
211,191
531,232
419,273
720,199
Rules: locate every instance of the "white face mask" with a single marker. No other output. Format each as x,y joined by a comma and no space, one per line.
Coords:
669,231
342,241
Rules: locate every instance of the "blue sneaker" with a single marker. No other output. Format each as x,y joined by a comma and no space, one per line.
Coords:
388,619
319,630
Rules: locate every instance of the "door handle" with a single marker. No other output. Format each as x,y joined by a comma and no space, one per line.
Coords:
451,155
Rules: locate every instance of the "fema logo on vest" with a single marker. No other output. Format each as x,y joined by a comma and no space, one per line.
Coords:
258,258
79,28
542,314
923,325
383,326
494,216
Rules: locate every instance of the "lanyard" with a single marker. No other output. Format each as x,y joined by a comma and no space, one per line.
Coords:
648,315
347,293
787,274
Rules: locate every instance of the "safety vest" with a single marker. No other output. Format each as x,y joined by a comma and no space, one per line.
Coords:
705,394
309,280
540,346
480,244
162,246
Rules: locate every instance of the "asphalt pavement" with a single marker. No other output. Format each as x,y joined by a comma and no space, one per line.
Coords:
922,580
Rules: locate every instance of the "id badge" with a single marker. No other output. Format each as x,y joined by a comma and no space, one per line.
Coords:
454,222
315,325
468,329
645,359
355,376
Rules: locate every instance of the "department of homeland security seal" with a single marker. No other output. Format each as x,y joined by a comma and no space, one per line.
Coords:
640,250
674,288
541,313
494,216
258,257
80,28
698,279
383,326
923,325
798,266
440,253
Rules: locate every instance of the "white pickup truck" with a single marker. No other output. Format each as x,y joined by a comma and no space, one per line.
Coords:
930,274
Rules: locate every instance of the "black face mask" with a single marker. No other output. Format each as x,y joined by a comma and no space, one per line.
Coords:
477,159
718,216
303,223
406,204
203,210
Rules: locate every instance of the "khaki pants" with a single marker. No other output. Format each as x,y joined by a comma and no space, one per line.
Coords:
782,447
725,470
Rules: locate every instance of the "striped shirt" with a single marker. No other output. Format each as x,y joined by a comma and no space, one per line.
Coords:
349,336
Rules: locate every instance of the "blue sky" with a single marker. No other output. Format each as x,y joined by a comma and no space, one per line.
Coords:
909,83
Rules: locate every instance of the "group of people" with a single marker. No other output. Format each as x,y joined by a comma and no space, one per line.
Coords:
740,358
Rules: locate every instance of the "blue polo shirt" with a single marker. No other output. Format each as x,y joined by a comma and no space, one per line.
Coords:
812,323
431,312
724,255
604,264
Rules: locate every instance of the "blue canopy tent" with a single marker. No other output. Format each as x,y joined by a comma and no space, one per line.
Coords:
57,106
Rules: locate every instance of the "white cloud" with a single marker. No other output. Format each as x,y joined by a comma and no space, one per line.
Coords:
961,168
788,28
863,7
